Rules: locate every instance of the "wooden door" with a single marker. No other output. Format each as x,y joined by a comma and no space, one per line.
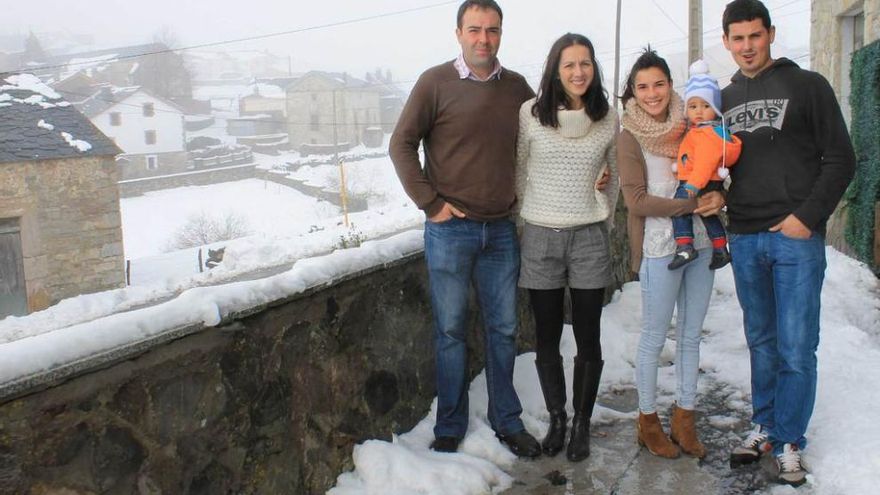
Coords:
13,296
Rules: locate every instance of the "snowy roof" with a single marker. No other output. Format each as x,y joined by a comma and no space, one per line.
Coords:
36,123
109,96
340,78
103,99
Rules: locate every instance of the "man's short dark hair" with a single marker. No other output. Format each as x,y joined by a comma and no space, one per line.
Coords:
744,11
482,4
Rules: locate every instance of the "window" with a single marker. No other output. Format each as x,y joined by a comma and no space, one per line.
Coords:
115,118
149,111
852,38
314,123
150,137
152,162
858,31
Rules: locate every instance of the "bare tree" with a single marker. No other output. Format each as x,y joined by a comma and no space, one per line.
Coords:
201,229
166,73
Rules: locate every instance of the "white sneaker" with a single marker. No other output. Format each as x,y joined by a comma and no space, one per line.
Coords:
791,467
751,449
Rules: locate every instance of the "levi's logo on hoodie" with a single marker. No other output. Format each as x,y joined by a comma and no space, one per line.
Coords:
756,114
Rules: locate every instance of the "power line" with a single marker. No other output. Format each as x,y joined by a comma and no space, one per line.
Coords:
253,38
674,23
729,74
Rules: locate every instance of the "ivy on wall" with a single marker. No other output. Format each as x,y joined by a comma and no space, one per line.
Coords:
864,191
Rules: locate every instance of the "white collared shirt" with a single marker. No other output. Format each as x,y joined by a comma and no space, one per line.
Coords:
465,72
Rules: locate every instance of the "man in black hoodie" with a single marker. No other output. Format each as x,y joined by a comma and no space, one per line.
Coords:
796,162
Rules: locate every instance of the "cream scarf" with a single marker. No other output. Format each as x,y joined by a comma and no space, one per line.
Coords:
659,138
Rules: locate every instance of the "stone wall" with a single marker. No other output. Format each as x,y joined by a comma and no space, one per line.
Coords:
136,167
825,34
826,57
136,187
71,231
271,401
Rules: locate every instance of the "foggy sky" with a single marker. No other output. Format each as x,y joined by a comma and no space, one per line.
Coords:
406,43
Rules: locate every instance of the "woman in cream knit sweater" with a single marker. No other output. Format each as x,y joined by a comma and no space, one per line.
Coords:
566,141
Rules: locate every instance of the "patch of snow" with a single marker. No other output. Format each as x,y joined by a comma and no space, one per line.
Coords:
45,125
30,82
79,144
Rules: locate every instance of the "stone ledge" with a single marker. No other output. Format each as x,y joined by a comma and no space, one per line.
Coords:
14,389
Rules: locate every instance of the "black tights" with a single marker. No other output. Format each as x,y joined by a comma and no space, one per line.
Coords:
586,313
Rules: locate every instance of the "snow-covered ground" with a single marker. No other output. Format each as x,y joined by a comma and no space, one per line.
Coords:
844,451
275,217
262,206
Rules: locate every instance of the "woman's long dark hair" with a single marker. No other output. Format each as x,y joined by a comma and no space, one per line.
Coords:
646,60
551,94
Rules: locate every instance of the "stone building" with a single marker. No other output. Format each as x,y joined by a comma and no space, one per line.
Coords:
311,101
60,228
839,28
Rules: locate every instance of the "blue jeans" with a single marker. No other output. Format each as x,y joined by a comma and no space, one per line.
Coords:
689,288
683,226
778,283
458,252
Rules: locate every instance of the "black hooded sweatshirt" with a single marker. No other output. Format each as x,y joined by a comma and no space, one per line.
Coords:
797,156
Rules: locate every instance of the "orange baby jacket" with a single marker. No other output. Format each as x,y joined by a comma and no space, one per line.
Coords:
700,154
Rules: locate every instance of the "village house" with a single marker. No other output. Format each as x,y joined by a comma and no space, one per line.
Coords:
391,98
311,102
60,228
149,130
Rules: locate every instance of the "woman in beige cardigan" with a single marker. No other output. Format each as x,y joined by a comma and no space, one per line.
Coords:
653,127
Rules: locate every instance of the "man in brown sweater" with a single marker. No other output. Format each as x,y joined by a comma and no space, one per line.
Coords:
465,112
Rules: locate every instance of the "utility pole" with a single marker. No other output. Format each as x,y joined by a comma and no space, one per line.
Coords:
617,60
695,30
335,132
342,192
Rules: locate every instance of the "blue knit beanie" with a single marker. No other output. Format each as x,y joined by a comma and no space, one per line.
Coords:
703,85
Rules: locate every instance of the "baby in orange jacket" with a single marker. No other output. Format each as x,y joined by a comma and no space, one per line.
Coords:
703,157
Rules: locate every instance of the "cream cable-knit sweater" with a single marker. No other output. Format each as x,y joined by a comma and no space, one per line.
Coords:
557,169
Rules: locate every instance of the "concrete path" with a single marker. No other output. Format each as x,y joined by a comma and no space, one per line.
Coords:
617,465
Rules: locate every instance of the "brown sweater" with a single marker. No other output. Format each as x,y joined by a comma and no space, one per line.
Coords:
634,186
469,129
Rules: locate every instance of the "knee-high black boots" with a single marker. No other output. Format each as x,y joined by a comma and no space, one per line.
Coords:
586,387
552,378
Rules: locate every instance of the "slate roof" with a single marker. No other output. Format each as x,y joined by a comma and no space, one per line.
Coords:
105,98
36,123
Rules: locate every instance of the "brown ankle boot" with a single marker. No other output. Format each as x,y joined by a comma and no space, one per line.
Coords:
683,431
652,437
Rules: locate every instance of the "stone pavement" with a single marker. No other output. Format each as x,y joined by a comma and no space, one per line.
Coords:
617,465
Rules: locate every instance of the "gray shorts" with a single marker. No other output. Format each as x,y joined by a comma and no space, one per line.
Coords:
553,258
